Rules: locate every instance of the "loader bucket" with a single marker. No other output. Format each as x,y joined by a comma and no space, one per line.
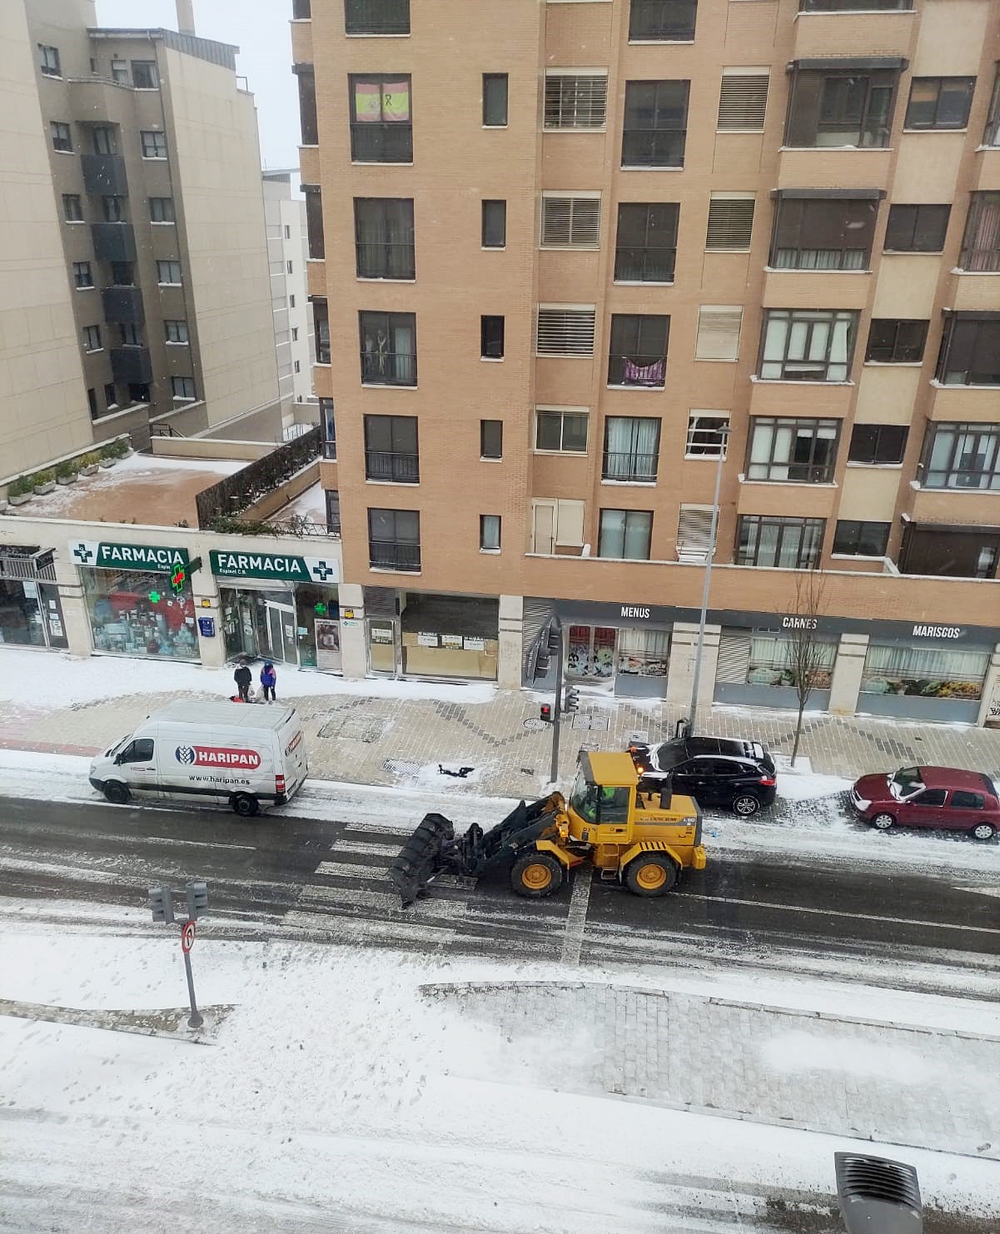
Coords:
420,858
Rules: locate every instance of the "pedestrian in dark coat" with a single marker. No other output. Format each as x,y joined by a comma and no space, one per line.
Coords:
243,677
268,680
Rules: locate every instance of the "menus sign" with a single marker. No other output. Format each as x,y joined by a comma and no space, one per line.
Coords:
328,644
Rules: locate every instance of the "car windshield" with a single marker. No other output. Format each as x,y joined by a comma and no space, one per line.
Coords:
670,755
906,782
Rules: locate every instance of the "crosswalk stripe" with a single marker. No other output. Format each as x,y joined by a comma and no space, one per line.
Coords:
354,869
384,900
361,846
362,829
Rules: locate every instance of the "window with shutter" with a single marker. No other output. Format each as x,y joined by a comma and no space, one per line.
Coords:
571,222
730,222
575,99
743,99
694,533
566,330
718,332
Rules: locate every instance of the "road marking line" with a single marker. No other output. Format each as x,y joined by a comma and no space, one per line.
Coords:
833,912
351,869
361,846
576,919
383,900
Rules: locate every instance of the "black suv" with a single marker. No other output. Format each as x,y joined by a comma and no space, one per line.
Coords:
715,771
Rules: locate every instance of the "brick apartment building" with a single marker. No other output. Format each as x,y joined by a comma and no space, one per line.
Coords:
564,255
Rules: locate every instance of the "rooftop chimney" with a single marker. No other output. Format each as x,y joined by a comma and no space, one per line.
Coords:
185,17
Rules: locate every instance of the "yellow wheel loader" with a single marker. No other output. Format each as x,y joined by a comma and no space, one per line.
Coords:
638,838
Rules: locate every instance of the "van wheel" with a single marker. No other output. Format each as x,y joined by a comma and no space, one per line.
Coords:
246,805
116,792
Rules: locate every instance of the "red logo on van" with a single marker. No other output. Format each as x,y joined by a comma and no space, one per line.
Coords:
217,756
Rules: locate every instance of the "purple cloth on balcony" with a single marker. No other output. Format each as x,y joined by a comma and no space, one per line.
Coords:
644,374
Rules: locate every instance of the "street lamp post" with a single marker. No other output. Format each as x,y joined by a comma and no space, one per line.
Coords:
693,713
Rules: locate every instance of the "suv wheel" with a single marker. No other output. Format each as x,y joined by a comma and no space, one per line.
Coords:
883,821
746,804
983,831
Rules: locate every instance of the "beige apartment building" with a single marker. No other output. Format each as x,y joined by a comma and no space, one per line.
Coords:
135,267
572,260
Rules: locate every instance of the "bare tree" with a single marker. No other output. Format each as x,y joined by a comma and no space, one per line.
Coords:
808,659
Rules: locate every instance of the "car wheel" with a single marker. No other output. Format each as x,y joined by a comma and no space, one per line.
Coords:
746,804
535,875
246,805
883,822
116,792
651,875
983,831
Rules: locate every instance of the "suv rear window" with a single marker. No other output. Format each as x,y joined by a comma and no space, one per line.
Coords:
968,801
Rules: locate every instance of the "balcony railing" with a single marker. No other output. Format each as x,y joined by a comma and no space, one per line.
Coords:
377,16
372,142
619,465
637,370
389,465
104,174
257,479
650,148
113,241
389,368
645,265
385,261
389,555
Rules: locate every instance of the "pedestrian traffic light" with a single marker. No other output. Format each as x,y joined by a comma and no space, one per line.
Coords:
161,903
197,899
545,712
571,699
178,578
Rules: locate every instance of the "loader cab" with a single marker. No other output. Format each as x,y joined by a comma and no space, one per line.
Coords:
608,802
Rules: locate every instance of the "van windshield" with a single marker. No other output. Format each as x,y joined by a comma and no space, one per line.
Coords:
117,746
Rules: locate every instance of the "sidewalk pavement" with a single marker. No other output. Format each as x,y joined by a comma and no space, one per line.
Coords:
392,734
867,1079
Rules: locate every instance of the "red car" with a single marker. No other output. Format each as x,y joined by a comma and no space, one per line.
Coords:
929,797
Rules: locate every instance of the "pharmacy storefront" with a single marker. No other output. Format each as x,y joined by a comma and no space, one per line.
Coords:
137,598
30,608
280,606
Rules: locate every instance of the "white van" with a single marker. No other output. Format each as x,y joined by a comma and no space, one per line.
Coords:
209,753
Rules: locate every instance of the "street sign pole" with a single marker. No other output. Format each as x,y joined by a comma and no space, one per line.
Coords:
195,1020
554,770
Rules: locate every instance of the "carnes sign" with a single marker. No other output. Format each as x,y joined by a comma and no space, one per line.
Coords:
217,756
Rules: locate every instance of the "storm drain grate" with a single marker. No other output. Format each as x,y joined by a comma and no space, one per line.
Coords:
400,767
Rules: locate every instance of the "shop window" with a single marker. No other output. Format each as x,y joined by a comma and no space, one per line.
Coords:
939,102
494,225
646,243
708,432
590,652
388,348
381,120
963,456
929,672
138,613
981,243
822,233
773,540
391,452
631,448
896,342
807,344
383,237
773,658
860,539
878,444
916,229
489,533
638,350
563,431
743,100
792,451
571,222
730,222
491,439
655,124
844,107
643,653
970,350
625,534
495,100
575,99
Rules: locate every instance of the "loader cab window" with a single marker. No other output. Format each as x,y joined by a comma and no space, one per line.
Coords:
138,751
612,805
583,798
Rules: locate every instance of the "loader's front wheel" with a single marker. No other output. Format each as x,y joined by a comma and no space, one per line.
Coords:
536,875
651,875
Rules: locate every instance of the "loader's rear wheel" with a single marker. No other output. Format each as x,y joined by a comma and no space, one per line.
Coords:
536,875
651,876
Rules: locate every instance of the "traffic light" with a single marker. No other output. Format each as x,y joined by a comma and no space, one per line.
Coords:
571,699
555,641
197,898
178,578
541,664
545,712
161,903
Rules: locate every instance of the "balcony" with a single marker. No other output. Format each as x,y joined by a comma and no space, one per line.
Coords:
131,365
113,241
392,466
391,555
626,467
104,175
123,306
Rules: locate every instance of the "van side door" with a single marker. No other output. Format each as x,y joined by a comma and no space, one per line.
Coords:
137,765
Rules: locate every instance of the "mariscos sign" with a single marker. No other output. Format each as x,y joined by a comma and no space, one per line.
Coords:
285,566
